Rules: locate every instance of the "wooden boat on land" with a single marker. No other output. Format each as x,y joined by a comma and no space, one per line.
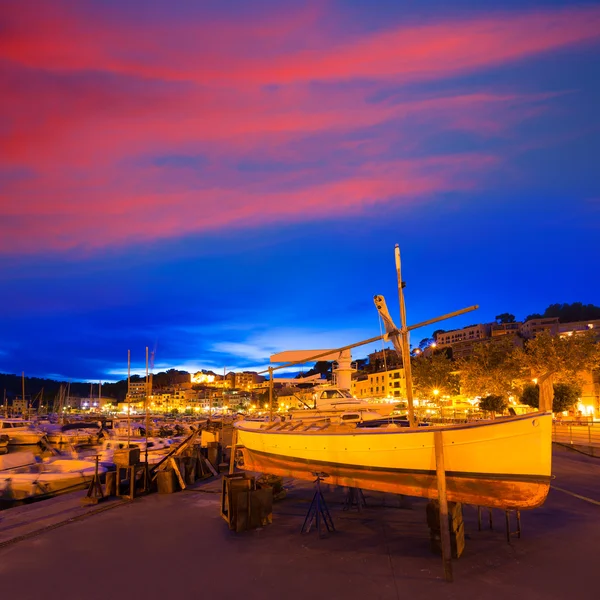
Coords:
503,463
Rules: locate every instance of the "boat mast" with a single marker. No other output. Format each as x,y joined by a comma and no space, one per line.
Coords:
128,396
146,404
23,391
404,342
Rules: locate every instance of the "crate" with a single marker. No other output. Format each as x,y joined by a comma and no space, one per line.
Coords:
126,457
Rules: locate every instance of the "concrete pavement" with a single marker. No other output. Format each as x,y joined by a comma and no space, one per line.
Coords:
164,546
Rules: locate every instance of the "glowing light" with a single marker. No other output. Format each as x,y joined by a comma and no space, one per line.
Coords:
535,380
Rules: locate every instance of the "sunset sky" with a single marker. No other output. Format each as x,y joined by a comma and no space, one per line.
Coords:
220,181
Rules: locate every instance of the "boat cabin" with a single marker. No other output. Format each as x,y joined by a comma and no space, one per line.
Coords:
13,423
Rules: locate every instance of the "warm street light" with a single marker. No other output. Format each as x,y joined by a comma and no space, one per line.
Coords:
436,392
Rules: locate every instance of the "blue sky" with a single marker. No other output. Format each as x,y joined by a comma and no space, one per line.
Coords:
223,183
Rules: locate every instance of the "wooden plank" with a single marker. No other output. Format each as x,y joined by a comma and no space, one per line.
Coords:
443,500
177,473
233,446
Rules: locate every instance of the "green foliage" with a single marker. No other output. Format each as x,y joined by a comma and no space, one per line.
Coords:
531,395
492,369
562,357
566,396
569,312
505,318
493,403
435,372
425,342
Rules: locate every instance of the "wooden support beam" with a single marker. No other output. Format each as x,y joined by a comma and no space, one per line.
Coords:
443,500
177,473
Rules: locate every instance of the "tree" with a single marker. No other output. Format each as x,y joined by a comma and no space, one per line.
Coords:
569,312
425,343
493,404
565,396
533,316
492,369
531,395
573,312
505,318
435,372
552,358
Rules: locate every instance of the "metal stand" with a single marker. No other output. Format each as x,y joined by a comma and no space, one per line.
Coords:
491,525
94,493
318,510
354,497
510,533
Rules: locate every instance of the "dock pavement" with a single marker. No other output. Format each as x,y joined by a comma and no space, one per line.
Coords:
176,545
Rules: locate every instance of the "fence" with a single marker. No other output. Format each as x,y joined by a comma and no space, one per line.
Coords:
577,434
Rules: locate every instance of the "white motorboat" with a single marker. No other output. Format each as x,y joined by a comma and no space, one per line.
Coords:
339,404
157,448
21,432
46,479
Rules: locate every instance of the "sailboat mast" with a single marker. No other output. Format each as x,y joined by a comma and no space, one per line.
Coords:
404,342
146,404
128,396
23,391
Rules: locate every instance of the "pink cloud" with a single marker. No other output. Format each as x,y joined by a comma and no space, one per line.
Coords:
88,103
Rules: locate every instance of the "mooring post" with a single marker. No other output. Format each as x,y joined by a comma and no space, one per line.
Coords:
443,500
232,456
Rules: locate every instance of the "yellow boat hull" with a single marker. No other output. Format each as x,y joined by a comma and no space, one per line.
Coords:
504,463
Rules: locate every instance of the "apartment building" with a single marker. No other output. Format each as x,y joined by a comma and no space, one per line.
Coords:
384,384
533,327
466,334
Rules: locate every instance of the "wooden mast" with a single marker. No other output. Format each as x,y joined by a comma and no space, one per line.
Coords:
23,392
404,341
146,404
128,396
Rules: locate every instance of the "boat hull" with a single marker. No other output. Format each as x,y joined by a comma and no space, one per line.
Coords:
501,464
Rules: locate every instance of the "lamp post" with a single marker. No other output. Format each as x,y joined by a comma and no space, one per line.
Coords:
436,393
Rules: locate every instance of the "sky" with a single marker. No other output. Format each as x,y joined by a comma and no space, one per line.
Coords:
221,181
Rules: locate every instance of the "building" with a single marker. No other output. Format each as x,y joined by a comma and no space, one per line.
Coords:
579,327
383,384
385,358
466,334
500,329
247,380
532,327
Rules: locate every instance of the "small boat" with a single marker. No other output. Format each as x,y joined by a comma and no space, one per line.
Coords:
46,479
21,432
333,401
75,434
503,463
157,449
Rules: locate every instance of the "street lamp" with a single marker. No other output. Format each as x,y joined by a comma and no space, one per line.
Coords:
436,393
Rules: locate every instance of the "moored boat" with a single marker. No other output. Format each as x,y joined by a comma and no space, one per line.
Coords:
43,480
503,463
21,432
